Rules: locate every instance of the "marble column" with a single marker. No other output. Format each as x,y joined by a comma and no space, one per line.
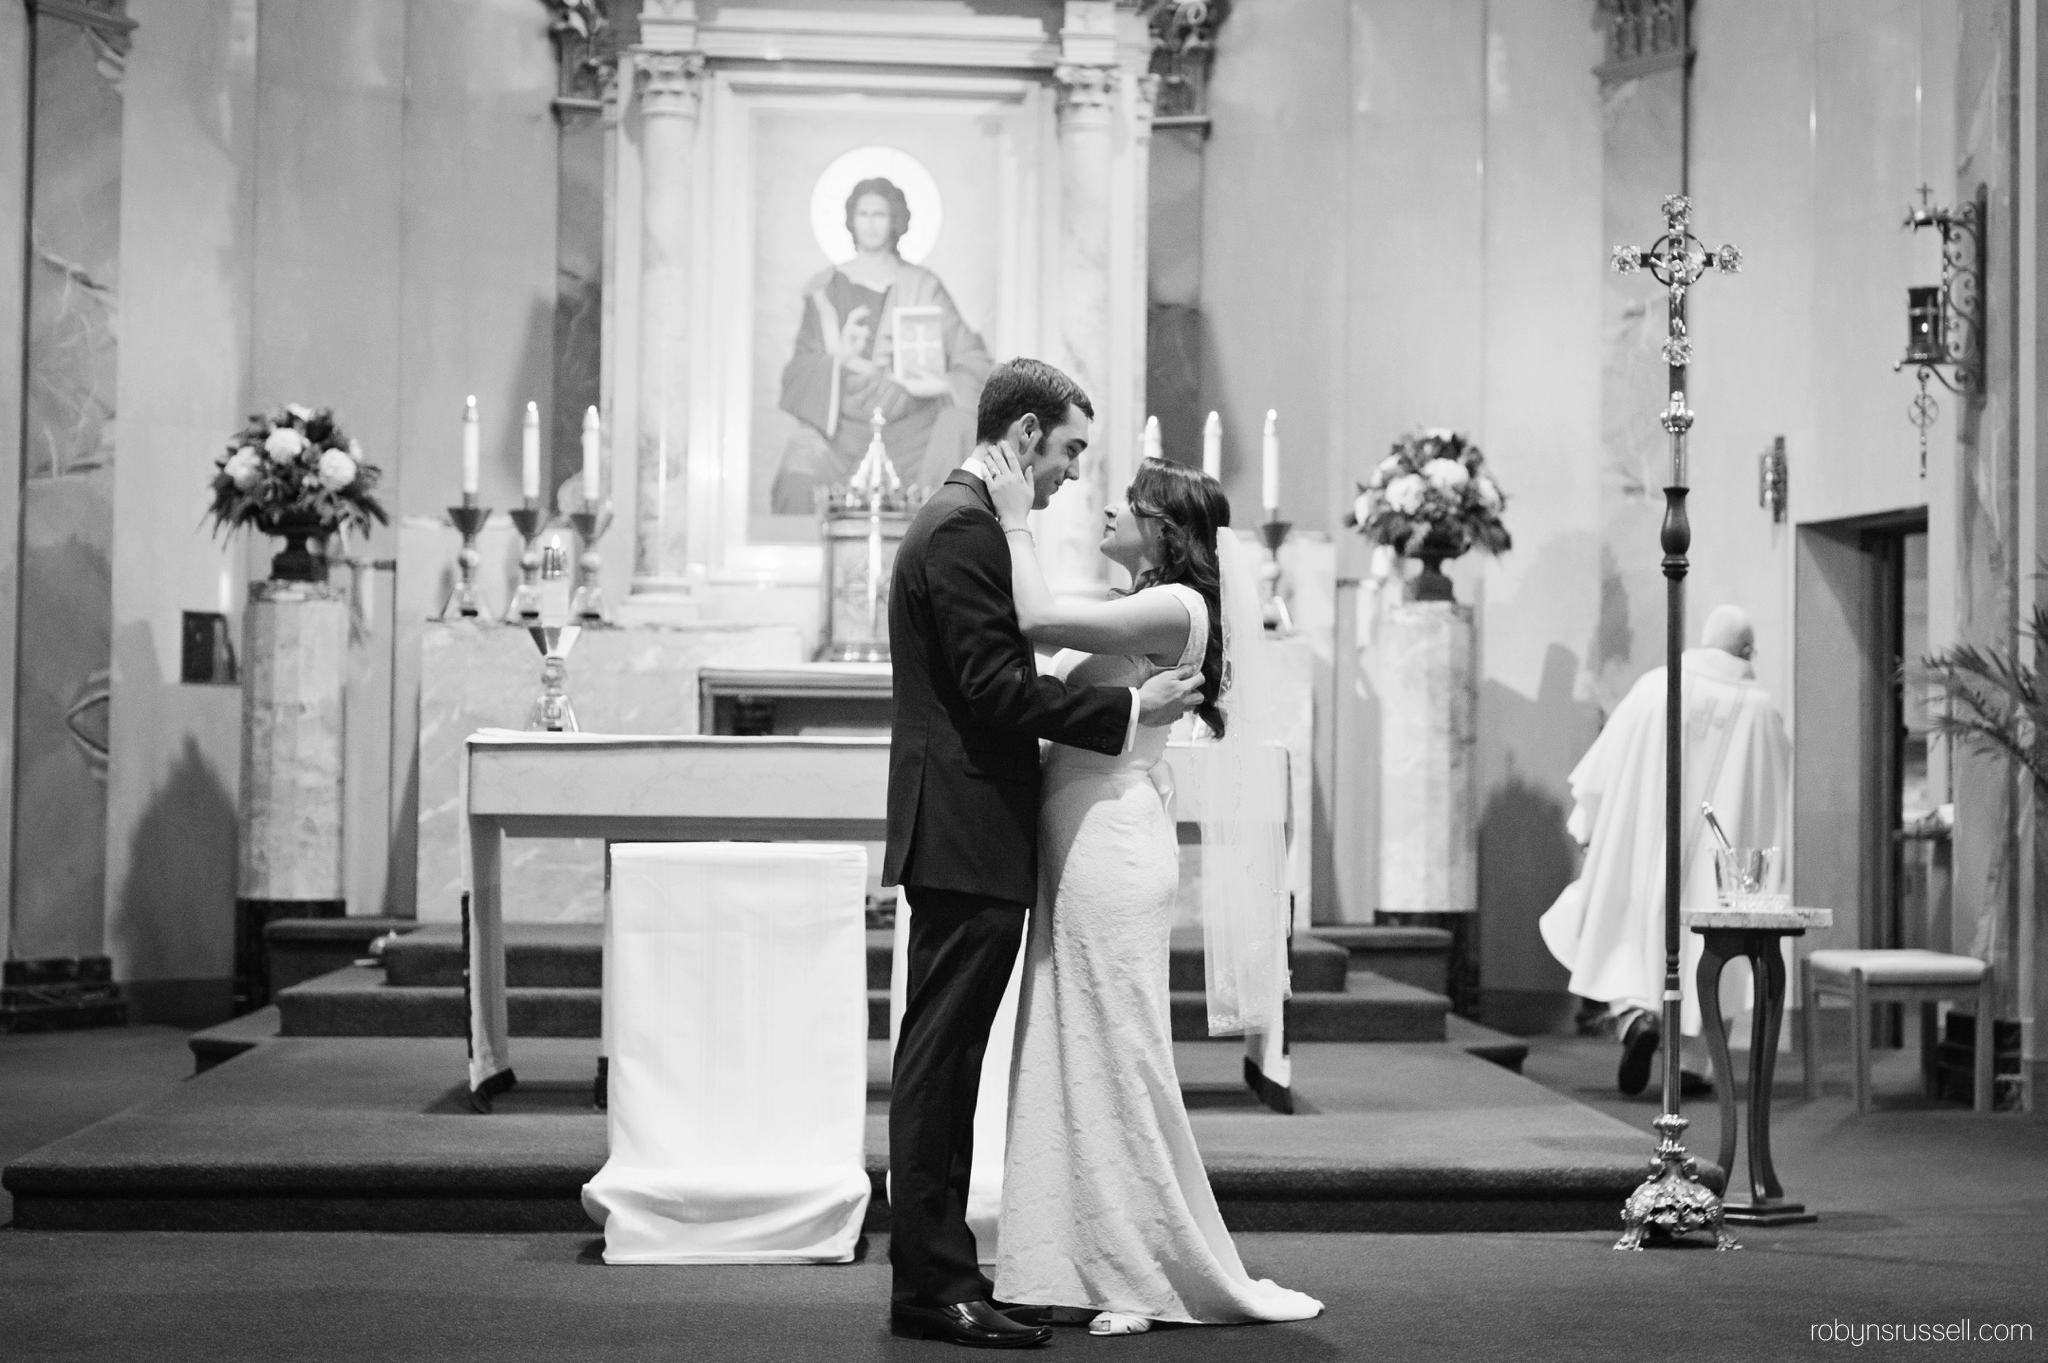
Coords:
1072,523
1429,825
1144,100
290,862
669,100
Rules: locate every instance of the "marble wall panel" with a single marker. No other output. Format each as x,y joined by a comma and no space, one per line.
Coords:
1986,477
634,680
1279,135
67,492
579,293
1537,606
14,114
186,254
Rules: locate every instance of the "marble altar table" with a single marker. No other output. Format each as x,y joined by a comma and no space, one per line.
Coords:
679,788
1758,934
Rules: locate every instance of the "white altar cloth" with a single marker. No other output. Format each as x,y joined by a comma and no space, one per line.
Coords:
735,996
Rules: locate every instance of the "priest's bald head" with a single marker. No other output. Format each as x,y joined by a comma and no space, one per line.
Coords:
1728,629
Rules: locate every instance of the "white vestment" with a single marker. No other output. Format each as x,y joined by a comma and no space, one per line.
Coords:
1607,928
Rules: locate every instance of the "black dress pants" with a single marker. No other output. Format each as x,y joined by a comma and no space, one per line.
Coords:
962,949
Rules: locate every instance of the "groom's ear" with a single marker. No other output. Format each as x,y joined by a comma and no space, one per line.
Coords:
1026,435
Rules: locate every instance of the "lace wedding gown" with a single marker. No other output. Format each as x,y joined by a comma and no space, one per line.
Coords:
1105,1201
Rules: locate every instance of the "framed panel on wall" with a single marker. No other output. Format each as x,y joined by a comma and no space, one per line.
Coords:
869,241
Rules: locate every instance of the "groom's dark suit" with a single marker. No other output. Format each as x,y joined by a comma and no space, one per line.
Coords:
963,843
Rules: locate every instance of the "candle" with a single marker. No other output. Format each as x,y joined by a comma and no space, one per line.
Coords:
472,448
593,470
529,454
1151,449
1269,484
1212,447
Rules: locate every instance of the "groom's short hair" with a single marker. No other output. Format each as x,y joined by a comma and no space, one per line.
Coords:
1019,386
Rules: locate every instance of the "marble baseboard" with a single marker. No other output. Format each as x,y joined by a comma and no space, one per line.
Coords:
635,679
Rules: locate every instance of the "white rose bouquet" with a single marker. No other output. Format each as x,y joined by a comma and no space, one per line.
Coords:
294,472
1432,498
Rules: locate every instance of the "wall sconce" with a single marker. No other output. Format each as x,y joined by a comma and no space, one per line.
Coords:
1773,480
1945,322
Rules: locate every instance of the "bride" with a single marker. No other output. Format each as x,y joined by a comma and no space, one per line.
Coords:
1107,1211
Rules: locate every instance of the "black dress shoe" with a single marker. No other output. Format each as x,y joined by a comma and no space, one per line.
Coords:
1638,1045
1692,1084
1023,1315
975,1324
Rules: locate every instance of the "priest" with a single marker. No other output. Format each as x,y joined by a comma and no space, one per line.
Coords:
1607,928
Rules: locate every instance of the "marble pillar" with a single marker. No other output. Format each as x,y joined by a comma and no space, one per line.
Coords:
669,99
1429,838
69,444
1072,523
295,656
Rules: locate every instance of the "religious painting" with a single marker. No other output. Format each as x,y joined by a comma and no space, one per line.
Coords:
877,291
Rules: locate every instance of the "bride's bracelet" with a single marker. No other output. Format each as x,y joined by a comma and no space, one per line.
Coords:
1025,531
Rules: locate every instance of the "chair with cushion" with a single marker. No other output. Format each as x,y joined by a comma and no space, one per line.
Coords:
1896,975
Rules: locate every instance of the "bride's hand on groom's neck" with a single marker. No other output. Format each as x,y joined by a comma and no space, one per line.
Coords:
1008,486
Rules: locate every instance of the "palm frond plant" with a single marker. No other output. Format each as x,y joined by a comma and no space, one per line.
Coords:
1992,699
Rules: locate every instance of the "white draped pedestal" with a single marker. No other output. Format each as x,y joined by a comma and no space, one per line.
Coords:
735,1001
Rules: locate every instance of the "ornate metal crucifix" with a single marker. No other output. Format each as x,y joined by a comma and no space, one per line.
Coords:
1673,1199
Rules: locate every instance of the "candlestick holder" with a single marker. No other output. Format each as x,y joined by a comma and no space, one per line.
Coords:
587,605
465,602
551,710
525,605
1278,618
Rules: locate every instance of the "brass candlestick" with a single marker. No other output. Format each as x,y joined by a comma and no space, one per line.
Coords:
1278,618
1673,1199
551,709
465,602
525,605
587,606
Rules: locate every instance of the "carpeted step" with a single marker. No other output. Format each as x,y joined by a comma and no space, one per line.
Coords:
300,949
537,955
569,956
355,1001
237,1036
1506,1051
1417,956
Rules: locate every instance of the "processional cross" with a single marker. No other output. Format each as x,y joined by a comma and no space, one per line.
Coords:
1672,1198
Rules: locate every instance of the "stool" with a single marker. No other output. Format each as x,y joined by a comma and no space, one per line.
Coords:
1902,975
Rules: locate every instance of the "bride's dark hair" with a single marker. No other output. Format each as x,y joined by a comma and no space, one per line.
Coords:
1191,510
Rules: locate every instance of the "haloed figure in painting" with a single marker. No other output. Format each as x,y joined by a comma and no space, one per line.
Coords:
877,333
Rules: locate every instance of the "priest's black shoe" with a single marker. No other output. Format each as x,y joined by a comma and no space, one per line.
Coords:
1692,1084
1638,1045
975,1324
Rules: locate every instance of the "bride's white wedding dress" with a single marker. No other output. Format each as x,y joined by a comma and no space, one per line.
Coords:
1106,1204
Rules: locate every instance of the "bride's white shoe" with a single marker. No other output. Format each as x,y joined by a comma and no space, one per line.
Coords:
1117,1323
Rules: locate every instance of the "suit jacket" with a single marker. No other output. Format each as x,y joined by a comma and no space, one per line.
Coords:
971,707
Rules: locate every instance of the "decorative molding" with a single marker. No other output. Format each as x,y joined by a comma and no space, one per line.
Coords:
998,42
668,25
1643,36
671,83
1183,46
587,48
1085,91
1144,102
105,17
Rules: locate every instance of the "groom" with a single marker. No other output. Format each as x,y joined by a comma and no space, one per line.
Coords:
963,830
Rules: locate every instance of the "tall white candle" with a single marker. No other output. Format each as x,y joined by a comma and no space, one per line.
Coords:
529,454
1269,454
593,467
472,448
1212,447
1152,448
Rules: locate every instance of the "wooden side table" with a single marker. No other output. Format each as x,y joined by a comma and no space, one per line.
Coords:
1727,933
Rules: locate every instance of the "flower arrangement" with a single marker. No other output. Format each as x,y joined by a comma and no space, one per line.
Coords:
1432,499
293,473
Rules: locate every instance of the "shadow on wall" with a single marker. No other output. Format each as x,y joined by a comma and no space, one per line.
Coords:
180,863
1525,856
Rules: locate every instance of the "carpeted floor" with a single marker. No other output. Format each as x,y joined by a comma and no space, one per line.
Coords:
55,1083
1930,1214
